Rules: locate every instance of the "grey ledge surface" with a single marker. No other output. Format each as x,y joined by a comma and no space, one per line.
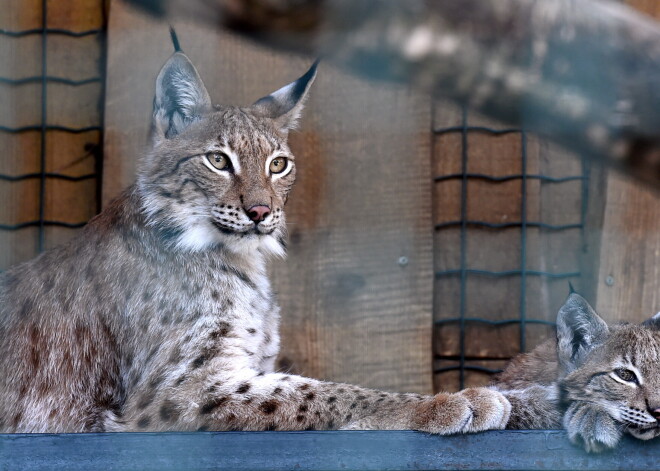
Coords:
323,450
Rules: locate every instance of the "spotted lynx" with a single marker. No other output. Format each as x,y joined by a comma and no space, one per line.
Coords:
599,382
160,315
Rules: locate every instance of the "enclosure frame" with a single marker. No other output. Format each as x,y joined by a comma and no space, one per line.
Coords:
321,450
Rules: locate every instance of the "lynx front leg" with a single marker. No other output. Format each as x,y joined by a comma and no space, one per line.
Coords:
249,401
470,410
534,407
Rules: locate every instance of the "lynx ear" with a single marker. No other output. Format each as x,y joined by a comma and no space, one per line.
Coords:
285,105
653,322
181,97
579,330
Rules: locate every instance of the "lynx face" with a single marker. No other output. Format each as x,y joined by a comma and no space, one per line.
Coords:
219,175
611,379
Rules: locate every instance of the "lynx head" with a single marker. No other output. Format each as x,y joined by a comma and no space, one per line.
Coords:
219,175
613,367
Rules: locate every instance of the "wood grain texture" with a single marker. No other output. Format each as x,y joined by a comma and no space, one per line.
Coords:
629,275
629,279
368,317
351,312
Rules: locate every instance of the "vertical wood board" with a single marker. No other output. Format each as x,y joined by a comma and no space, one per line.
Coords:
629,275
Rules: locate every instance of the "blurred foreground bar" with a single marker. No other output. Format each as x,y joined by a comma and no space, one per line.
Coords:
374,450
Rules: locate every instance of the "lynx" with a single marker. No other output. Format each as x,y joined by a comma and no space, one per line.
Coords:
598,381
160,315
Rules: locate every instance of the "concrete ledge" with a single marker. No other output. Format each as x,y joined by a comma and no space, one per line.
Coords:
355,450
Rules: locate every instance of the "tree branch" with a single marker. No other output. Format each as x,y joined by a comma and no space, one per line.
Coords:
584,73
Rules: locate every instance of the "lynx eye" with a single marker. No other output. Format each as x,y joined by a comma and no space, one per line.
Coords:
278,165
626,375
219,160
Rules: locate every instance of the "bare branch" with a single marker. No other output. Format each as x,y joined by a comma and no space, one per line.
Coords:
584,73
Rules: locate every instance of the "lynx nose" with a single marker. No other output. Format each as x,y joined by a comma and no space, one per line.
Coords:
258,212
656,413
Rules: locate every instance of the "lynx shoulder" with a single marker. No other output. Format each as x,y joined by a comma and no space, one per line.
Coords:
595,380
160,315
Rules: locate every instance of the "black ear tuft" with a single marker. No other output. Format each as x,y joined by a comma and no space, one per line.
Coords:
301,85
175,40
571,290
653,322
285,105
579,330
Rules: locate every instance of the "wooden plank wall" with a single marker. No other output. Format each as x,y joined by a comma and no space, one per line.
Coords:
351,311
71,106
629,277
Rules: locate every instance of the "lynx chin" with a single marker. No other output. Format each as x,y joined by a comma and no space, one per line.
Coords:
160,315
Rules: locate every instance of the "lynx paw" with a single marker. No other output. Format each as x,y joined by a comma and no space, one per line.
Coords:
591,427
471,410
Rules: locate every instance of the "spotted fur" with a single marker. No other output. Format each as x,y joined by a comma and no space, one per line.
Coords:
160,315
595,380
